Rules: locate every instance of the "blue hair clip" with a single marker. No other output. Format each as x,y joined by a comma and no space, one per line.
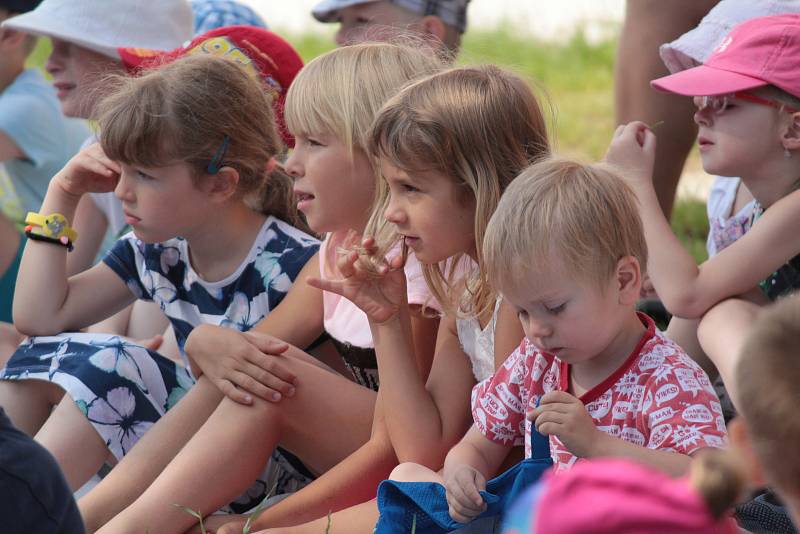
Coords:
216,162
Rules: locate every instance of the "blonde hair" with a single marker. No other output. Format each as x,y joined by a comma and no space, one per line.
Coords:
340,93
584,215
204,111
480,126
768,379
719,477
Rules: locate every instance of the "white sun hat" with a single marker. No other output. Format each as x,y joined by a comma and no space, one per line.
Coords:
105,25
693,47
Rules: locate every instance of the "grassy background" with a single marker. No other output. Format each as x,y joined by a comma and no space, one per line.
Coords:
575,80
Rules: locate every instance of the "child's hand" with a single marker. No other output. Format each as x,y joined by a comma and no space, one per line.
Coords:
564,416
89,171
379,294
632,151
463,499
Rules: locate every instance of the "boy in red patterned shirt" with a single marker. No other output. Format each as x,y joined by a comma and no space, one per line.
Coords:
566,248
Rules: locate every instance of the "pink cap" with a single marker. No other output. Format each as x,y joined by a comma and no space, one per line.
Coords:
758,52
623,497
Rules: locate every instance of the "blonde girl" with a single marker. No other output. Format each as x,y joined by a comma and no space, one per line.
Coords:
206,217
448,147
322,417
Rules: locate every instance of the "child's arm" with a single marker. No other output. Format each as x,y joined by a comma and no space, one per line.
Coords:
46,301
466,469
437,411
688,290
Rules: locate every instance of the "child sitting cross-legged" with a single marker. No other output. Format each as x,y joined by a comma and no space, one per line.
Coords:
566,248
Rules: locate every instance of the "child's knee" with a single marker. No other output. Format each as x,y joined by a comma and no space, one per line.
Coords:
410,472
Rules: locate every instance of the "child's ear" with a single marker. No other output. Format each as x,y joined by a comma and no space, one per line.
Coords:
629,280
224,184
433,25
791,135
740,441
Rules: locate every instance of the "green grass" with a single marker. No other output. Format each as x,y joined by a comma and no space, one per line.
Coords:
574,80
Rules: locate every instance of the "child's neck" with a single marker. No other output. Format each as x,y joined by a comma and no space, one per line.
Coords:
584,376
219,245
775,181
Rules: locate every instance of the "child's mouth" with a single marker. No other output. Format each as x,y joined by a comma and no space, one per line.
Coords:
303,200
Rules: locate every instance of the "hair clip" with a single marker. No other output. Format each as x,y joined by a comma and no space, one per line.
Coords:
216,162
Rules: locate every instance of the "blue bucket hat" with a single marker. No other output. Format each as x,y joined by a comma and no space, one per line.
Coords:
452,12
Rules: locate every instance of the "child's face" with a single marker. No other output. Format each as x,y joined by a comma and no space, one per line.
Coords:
372,21
161,203
77,73
573,319
435,218
741,138
333,189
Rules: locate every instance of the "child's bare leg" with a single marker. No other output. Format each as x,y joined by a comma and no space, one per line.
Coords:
354,520
28,403
411,472
328,418
722,333
364,516
140,467
73,441
684,333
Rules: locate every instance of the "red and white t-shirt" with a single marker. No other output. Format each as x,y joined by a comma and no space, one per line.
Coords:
659,399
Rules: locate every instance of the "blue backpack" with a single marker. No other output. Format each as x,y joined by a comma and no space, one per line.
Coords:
422,506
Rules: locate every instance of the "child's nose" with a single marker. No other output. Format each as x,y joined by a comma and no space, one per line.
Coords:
394,213
293,166
123,190
538,329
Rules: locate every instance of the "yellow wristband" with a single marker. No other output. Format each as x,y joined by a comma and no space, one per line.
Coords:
54,225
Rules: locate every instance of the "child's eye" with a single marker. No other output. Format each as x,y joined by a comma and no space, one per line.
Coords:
143,175
408,188
555,310
314,142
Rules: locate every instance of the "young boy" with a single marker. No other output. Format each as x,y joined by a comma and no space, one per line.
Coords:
444,21
566,248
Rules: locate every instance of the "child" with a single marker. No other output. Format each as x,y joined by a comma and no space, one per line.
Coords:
443,179
36,140
747,85
329,109
625,497
766,379
200,186
566,249
441,22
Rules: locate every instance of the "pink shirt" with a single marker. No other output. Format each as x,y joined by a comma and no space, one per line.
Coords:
659,398
344,320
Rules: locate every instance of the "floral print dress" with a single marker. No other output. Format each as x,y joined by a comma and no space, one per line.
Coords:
123,388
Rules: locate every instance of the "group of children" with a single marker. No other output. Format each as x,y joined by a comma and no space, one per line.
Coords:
471,292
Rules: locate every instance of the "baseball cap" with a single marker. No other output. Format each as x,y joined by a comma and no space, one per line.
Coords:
19,6
105,25
263,54
761,51
452,12
613,496
693,47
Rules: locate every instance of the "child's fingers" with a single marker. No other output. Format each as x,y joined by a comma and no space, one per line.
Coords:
232,392
347,264
266,344
461,499
334,286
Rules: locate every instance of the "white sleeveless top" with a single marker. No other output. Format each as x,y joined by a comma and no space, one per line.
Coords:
478,343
